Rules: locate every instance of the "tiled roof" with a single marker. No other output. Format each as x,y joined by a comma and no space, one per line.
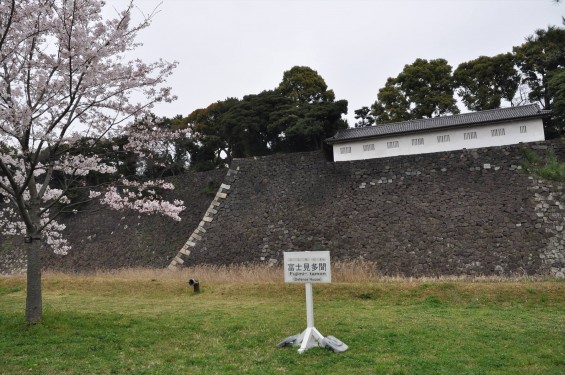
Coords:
466,119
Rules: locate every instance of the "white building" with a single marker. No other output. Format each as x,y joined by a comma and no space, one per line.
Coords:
496,127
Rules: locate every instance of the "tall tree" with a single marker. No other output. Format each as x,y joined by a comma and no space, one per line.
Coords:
63,74
215,141
423,89
256,115
556,85
392,104
308,125
485,81
315,114
295,116
542,53
364,117
304,85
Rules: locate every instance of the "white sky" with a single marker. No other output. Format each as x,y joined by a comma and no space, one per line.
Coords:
231,48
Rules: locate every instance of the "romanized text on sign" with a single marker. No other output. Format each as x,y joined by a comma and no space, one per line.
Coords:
307,267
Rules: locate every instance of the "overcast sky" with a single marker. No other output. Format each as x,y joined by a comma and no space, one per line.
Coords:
231,48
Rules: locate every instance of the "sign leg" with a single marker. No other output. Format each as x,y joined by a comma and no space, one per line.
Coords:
309,306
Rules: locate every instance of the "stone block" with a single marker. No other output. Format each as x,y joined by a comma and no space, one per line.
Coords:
185,251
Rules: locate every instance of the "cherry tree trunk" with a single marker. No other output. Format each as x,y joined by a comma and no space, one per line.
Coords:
34,308
34,305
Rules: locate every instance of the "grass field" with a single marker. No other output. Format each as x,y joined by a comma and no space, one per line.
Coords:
150,322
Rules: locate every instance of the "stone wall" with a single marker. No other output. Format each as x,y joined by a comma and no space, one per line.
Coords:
472,212
108,239
461,212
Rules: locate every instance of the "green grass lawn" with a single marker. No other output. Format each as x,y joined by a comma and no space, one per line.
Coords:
153,325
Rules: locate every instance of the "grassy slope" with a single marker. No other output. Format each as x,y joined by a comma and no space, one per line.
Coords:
152,323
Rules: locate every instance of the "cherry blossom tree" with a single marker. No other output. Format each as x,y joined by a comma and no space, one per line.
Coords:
65,75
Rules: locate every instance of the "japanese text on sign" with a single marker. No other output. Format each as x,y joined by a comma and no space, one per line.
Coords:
307,267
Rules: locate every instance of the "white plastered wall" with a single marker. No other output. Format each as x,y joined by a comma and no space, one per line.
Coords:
513,133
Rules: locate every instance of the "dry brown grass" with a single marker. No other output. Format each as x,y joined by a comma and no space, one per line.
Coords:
342,271
351,271
350,280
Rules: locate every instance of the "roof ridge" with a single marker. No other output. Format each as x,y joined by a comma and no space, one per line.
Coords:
456,115
486,111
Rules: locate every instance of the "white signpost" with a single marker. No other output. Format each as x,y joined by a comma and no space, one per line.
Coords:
307,267
310,267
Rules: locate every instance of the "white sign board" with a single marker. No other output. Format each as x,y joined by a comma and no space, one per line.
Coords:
307,267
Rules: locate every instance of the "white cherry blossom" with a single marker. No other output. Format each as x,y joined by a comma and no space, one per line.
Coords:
65,77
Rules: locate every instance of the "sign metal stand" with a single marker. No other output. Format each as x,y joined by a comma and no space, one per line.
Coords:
311,337
310,267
